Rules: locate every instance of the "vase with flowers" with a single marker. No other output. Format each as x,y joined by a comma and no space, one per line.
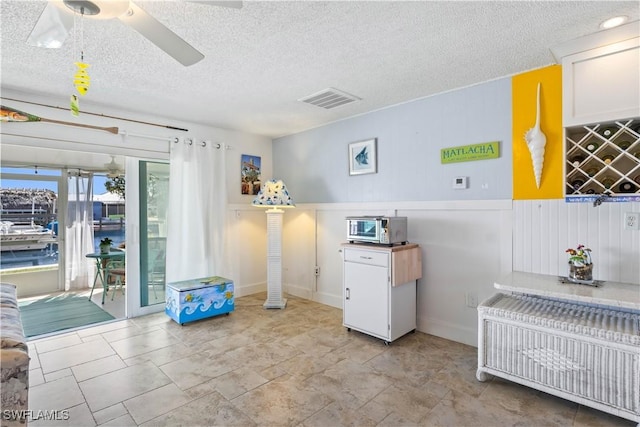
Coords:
580,264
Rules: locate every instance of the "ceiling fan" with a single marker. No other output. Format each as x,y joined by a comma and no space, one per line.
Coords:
113,169
56,20
110,169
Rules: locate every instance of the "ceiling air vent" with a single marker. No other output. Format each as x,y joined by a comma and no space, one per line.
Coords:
329,98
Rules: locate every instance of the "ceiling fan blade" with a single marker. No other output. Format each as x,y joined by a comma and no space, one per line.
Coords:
222,3
161,36
52,28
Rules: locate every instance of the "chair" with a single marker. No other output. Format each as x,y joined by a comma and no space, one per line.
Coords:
115,272
157,264
157,271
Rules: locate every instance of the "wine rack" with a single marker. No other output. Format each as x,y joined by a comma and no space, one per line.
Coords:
603,158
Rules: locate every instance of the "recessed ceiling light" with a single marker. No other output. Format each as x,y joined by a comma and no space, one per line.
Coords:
614,22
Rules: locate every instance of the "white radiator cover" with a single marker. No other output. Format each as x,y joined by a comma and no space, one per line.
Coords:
590,355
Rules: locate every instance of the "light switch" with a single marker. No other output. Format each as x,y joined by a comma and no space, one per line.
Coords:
460,182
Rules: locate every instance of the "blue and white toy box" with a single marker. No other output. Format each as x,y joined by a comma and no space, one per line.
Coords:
197,299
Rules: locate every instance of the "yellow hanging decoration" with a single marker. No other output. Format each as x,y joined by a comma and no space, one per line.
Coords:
75,106
81,79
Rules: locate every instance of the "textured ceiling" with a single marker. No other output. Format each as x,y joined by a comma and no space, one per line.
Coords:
259,60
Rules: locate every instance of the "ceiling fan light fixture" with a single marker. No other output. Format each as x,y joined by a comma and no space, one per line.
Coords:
98,9
113,169
83,7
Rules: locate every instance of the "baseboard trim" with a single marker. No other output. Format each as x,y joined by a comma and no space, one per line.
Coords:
327,299
298,291
254,288
448,331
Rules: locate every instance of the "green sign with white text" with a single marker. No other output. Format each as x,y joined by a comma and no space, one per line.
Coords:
468,153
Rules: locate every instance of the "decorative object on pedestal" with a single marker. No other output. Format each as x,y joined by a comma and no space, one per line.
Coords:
105,245
580,265
274,195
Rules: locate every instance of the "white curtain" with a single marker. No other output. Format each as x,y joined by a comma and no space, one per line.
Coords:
196,221
79,233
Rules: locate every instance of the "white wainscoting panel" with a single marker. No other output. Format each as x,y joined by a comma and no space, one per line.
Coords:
466,247
544,229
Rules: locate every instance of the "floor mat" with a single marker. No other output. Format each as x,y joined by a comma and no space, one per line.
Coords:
53,314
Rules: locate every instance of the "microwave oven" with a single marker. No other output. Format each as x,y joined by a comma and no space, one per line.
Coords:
375,229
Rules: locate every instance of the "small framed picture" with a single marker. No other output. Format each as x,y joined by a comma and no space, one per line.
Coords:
250,174
362,157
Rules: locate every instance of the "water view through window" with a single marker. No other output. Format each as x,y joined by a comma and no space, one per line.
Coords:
29,217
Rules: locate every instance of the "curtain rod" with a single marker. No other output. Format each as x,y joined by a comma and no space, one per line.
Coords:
125,134
99,115
190,141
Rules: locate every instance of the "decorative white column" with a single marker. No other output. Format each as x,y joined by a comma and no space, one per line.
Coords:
274,195
274,260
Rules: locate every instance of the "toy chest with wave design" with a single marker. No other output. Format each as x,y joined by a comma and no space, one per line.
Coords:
197,299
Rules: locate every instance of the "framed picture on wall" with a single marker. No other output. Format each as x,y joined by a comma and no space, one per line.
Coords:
362,157
250,174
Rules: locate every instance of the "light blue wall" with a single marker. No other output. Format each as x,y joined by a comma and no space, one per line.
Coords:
314,164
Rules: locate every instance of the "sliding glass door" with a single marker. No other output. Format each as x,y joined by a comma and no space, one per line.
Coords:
147,206
154,196
30,253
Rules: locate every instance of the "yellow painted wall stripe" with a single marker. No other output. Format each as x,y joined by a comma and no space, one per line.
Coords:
524,91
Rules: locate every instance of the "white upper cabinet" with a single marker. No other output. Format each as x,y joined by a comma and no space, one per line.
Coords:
601,76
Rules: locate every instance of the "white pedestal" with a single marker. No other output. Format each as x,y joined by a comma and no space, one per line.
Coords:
274,260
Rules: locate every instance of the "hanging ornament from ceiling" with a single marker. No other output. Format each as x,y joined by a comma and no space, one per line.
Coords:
81,79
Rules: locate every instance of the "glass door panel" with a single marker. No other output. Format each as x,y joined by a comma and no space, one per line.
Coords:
154,197
29,253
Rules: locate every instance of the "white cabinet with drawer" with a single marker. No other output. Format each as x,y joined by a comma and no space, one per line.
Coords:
379,289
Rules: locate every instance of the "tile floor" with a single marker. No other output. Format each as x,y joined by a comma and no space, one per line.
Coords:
292,367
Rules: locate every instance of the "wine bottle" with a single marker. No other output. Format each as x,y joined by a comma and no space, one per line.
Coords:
607,182
624,144
608,158
627,187
577,183
593,171
608,131
576,160
592,146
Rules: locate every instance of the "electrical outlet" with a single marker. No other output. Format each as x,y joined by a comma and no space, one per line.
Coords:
632,221
471,299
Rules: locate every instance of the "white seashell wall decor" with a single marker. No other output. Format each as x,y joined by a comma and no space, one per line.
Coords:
536,140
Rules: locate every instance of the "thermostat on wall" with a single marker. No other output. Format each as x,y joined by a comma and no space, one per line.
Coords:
460,182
